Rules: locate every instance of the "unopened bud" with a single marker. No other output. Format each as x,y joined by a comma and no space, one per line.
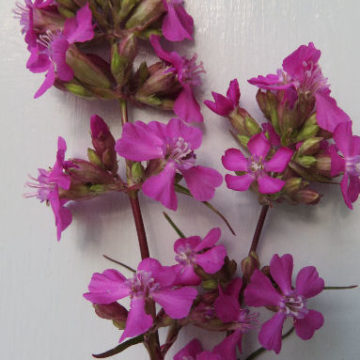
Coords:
137,172
65,12
310,146
306,161
292,185
86,70
94,158
77,90
210,284
309,130
87,173
323,163
126,7
249,264
146,13
114,311
268,104
307,196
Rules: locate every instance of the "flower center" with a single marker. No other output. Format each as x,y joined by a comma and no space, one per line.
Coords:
185,255
294,305
191,72
43,185
180,152
142,283
256,165
352,165
314,79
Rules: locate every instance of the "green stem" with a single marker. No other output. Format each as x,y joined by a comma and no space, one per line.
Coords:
262,350
171,222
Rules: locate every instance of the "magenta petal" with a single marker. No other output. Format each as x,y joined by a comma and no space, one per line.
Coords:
281,270
271,332
328,114
308,282
160,52
79,28
239,183
306,327
227,308
59,47
234,160
269,82
212,260
176,302
139,143
343,138
107,287
344,189
185,243
48,82
160,187
234,287
233,92
260,291
178,129
202,182
227,348
185,275
186,107
337,162
177,24
259,145
190,351
63,216
279,161
209,240
269,185
138,321
222,105
37,62
354,188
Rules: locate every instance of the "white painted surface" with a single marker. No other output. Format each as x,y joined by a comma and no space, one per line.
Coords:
43,315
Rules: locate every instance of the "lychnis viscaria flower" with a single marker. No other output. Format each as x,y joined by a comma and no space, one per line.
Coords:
289,301
151,281
49,53
256,168
225,105
301,74
188,73
177,24
48,185
349,164
170,149
194,351
194,251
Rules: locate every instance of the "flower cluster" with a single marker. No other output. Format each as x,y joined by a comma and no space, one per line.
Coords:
294,148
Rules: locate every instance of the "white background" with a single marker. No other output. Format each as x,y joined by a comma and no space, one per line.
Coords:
43,314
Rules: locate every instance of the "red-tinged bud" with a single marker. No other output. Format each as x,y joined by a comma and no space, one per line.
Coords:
114,311
104,143
125,8
268,104
244,123
86,70
310,146
145,14
87,173
305,106
305,161
249,264
310,129
307,196
293,185
323,164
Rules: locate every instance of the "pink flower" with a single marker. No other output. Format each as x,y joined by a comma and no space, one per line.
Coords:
349,164
48,185
151,281
172,146
301,72
177,24
193,251
225,105
30,17
49,53
256,168
290,302
228,310
188,74
194,351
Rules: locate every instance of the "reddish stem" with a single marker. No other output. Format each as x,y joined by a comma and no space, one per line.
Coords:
259,228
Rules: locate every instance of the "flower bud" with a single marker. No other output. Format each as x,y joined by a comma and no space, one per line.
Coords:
249,264
146,13
310,146
114,311
307,196
310,129
137,173
126,7
87,173
94,158
77,89
292,185
323,164
86,70
210,284
306,161
242,121
104,143
268,104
